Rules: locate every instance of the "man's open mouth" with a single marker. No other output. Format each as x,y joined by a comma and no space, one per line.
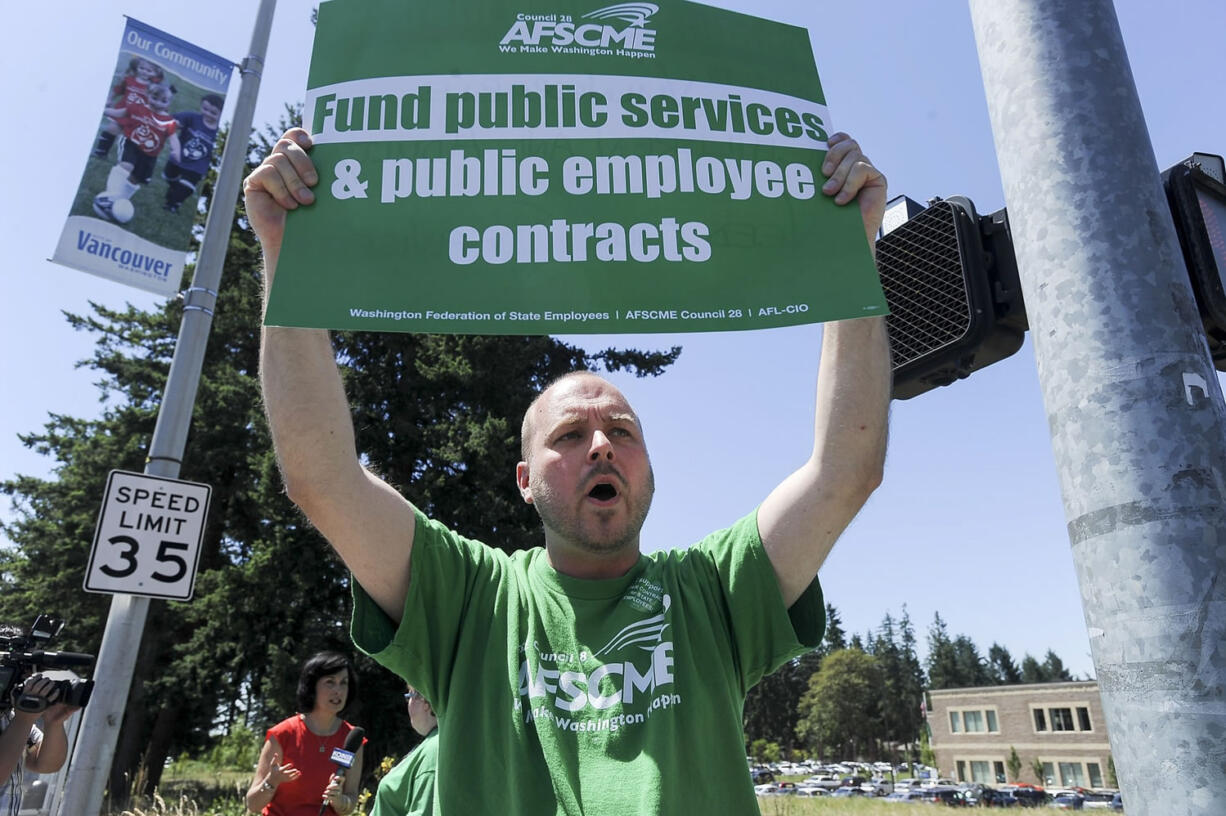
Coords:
603,492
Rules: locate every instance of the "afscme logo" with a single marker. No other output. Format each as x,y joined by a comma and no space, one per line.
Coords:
633,13
560,33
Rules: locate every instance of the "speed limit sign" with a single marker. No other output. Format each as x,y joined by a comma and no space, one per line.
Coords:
147,541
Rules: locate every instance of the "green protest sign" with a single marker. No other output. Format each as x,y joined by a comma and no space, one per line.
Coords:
555,167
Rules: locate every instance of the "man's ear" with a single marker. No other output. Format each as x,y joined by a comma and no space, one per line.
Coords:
521,478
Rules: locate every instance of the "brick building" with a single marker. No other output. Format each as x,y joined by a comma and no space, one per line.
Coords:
972,731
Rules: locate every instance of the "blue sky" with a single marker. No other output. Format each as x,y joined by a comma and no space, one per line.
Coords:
969,520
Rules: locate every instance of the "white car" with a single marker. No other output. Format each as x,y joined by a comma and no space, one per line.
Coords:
877,786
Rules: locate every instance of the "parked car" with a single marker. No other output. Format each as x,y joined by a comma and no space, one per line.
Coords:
905,796
1117,802
761,776
943,795
827,781
1067,800
1027,795
877,786
849,791
1097,799
805,789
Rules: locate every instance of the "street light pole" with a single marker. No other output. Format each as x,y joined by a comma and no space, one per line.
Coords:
95,746
1133,402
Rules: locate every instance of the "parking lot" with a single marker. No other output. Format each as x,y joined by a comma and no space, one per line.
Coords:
896,785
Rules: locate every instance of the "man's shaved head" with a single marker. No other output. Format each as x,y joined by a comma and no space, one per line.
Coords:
528,427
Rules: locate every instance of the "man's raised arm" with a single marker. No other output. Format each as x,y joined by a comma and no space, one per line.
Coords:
803,517
368,523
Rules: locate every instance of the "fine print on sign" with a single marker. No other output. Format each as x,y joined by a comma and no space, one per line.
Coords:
639,167
147,541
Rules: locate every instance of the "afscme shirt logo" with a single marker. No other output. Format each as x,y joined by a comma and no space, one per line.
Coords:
612,683
559,31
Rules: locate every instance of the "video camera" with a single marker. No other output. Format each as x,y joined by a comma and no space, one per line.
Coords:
23,655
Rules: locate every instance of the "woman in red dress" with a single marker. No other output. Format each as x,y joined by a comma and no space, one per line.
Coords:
296,774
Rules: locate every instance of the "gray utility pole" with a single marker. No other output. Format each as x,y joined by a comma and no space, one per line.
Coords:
95,747
1135,409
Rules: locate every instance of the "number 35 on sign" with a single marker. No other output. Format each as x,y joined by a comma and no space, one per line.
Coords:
147,541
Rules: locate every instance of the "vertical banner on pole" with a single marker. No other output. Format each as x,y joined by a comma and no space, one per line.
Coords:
132,216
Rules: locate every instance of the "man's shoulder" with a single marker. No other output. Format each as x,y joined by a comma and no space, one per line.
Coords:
741,533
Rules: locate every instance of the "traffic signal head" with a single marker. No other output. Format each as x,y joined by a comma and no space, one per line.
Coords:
950,279
1196,191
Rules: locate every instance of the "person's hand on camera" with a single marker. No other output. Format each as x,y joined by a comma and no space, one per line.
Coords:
37,693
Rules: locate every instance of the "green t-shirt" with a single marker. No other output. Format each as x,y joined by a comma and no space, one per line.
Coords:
564,696
408,788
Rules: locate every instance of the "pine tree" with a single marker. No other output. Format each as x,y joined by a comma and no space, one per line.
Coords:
1001,666
1053,667
835,638
942,658
1033,671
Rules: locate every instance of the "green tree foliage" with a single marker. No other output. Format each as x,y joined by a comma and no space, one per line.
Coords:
437,416
956,663
927,755
770,706
1051,670
835,637
840,713
1032,671
972,670
1014,765
1053,667
1036,768
1003,670
942,657
893,646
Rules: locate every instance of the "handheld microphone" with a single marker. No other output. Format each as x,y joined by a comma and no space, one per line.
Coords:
343,757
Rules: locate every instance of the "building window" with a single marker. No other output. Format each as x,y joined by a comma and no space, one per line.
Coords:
961,771
1049,774
1040,720
1061,719
1096,775
1083,718
1070,774
973,721
1000,772
980,773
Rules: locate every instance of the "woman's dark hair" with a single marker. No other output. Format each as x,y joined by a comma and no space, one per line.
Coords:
321,665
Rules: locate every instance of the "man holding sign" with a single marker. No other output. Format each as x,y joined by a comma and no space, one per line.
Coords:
588,677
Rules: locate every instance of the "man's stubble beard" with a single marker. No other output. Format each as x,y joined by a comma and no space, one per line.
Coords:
570,528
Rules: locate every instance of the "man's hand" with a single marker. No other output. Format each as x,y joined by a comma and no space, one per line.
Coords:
38,692
282,182
852,176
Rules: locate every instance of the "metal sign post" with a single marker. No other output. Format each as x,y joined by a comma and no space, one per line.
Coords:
1136,414
95,748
